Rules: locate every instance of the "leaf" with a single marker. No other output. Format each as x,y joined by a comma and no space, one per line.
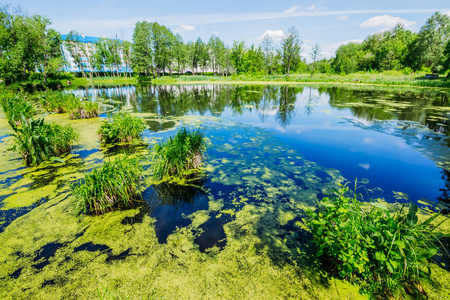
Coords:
57,159
411,220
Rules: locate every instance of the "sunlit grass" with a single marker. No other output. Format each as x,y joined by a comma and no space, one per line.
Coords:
59,102
85,110
114,185
16,107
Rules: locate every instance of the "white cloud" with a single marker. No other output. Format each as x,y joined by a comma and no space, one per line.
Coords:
330,50
342,18
291,10
276,35
216,33
448,13
386,21
185,28
312,7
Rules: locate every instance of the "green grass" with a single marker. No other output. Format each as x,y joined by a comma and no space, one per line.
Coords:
385,252
16,107
37,141
59,102
101,81
180,156
121,128
114,185
84,110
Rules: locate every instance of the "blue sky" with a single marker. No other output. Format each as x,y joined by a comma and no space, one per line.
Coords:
328,23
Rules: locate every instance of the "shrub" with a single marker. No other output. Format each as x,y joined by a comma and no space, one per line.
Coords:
382,251
179,156
84,110
59,102
121,128
15,107
114,185
37,141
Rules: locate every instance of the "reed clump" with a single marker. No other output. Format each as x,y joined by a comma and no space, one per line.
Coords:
37,141
114,185
15,107
180,156
121,128
59,102
84,110
384,252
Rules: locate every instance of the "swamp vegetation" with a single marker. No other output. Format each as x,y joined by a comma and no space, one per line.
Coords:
241,230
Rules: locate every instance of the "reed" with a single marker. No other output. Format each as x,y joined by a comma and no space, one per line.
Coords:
121,128
15,107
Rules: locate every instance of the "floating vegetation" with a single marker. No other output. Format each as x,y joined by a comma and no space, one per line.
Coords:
385,252
121,128
84,110
37,141
59,102
15,107
114,185
180,156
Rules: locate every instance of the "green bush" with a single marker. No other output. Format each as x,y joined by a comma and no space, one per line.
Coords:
384,252
180,156
121,128
15,107
84,110
37,141
59,102
114,185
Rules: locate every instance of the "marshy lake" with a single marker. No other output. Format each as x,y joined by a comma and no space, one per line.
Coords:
272,151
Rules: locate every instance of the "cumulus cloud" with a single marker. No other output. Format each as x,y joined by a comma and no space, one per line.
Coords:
342,18
312,7
186,28
386,21
291,10
276,35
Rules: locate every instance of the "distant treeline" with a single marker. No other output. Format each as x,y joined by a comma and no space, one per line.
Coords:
30,50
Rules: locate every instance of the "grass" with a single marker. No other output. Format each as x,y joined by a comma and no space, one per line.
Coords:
385,252
180,156
37,141
59,102
16,107
114,185
84,110
121,128
101,81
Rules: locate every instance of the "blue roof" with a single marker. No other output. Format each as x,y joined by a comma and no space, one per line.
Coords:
86,39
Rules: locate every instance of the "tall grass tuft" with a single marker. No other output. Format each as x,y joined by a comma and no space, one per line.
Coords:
114,185
180,156
37,141
386,253
121,128
59,102
15,107
84,110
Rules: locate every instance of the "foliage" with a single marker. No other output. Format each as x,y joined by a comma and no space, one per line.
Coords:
385,252
114,185
291,47
84,110
16,107
178,156
121,128
59,102
37,141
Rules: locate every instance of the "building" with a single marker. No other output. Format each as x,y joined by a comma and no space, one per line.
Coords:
89,48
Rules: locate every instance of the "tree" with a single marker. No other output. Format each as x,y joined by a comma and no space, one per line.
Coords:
267,47
292,46
142,54
179,53
429,47
127,56
347,58
50,60
75,47
315,55
237,56
162,47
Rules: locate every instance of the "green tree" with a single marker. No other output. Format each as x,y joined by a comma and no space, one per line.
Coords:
180,54
268,49
142,51
50,60
237,56
162,47
347,58
76,49
291,45
315,55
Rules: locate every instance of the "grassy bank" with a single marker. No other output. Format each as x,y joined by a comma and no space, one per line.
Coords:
100,81
385,79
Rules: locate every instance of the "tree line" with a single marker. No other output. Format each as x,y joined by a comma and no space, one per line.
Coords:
30,49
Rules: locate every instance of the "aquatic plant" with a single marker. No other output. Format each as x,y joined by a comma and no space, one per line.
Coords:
37,141
384,252
114,185
15,107
84,110
179,156
121,128
59,102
